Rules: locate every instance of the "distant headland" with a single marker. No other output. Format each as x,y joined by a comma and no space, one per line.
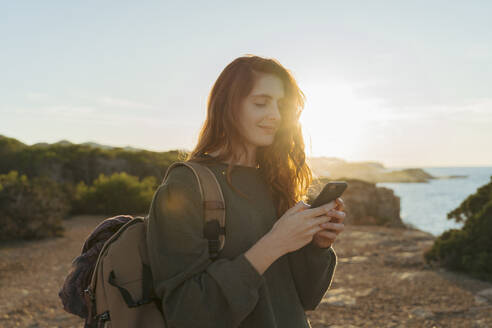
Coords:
336,168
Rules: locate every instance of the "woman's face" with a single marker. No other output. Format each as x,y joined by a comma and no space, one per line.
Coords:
259,115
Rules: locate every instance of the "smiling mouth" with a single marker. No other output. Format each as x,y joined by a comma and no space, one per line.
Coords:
269,130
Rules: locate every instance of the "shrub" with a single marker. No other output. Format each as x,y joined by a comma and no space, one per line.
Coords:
468,249
119,193
67,162
30,208
472,204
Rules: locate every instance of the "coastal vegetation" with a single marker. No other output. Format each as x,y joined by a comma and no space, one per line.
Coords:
30,208
42,184
468,249
118,193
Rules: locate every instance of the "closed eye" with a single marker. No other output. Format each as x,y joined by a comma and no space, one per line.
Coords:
260,105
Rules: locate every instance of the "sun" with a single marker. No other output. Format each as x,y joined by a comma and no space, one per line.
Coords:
335,121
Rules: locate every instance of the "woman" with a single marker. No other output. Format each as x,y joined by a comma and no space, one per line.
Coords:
277,261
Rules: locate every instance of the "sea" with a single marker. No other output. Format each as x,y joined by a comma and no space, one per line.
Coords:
425,205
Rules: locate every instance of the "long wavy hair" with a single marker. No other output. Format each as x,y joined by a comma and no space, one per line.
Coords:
283,163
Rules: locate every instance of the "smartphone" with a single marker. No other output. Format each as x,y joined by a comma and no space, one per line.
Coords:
331,191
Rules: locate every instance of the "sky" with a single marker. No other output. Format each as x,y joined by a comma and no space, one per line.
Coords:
403,83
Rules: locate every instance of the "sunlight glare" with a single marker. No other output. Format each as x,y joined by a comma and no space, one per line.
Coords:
335,121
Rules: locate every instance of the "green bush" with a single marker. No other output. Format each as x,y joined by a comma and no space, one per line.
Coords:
472,204
468,249
119,193
30,208
71,163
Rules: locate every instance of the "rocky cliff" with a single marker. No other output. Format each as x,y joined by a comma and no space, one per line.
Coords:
365,203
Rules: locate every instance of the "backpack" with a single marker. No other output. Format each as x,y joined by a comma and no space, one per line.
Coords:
110,284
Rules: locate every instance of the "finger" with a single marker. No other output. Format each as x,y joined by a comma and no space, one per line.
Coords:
335,227
327,235
338,216
317,211
317,221
299,206
340,204
315,230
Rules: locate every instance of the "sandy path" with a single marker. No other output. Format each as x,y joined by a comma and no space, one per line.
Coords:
380,281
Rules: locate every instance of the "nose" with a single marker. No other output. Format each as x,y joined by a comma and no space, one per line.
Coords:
274,114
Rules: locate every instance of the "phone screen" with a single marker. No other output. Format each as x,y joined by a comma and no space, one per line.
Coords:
331,191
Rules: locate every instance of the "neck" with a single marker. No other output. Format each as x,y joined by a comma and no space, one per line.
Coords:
246,160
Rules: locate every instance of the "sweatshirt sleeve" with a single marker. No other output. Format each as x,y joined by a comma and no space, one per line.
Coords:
195,291
313,269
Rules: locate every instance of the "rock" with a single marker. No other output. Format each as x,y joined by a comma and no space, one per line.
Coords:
366,204
61,318
486,294
425,245
481,300
345,296
418,235
421,313
353,259
410,248
408,275
364,292
404,259
339,297
480,323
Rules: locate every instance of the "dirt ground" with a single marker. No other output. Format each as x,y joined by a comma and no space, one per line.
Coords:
380,281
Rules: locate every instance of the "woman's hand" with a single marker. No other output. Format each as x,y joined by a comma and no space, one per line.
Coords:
298,225
326,237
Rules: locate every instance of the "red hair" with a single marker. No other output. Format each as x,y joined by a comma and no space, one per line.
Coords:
283,163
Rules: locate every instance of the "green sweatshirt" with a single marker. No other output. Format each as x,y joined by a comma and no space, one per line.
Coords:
197,292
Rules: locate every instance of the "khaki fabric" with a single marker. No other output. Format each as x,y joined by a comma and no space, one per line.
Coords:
126,263
121,293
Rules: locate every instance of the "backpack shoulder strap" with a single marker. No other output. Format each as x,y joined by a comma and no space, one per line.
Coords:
213,205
